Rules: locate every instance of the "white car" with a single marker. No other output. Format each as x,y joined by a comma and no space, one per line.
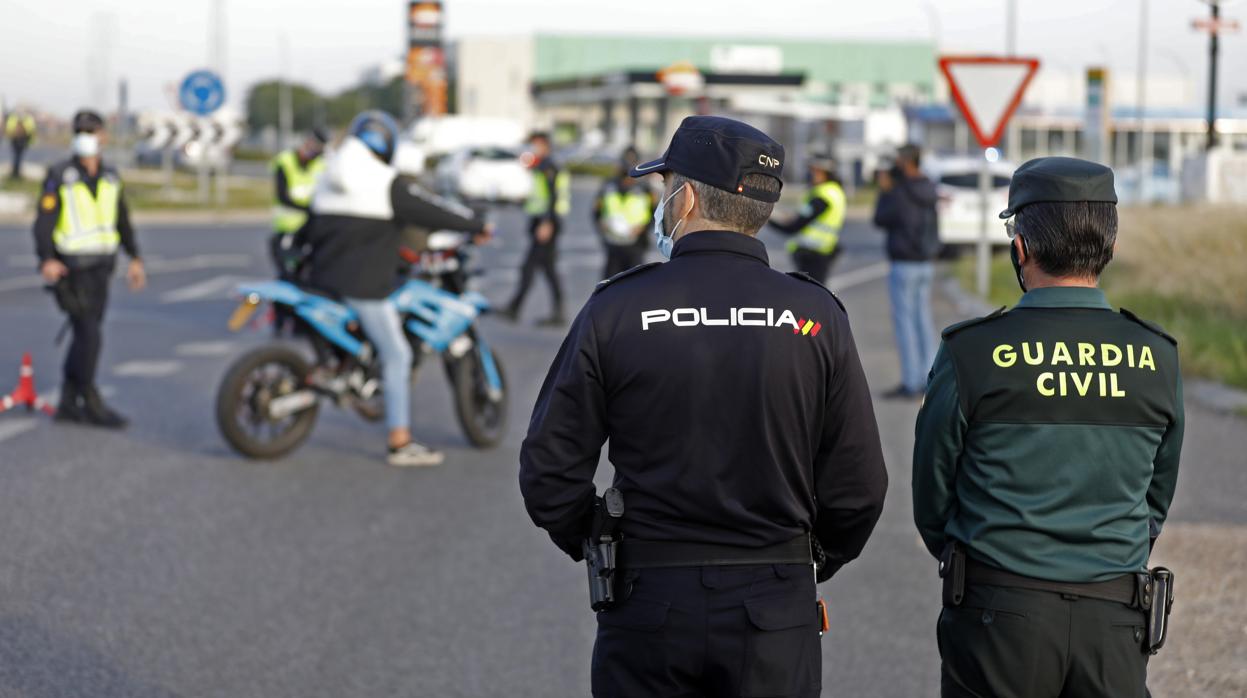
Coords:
484,174
960,206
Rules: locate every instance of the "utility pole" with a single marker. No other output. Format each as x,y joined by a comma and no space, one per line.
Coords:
1213,49
1145,136
285,102
1011,27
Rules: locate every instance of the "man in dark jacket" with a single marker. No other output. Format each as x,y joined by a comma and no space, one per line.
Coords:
358,209
906,212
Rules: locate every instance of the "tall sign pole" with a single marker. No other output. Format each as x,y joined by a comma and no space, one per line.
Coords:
1214,26
425,75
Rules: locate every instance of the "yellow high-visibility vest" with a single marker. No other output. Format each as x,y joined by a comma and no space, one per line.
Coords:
539,198
822,234
26,121
88,224
622,212
300,183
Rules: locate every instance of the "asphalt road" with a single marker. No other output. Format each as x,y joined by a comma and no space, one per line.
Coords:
157,563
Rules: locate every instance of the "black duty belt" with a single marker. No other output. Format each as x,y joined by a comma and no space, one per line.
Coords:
641,554
1121,590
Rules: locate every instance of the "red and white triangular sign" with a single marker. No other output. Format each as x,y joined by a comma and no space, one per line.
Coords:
988,89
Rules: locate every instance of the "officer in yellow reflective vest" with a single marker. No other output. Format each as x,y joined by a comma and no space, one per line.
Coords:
82,221
816,227
19,128
622,212
548,202
295,172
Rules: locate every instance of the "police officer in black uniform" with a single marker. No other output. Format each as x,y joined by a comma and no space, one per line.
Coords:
1045,461
741,432
82,222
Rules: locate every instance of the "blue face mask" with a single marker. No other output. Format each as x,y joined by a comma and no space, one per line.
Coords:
665,242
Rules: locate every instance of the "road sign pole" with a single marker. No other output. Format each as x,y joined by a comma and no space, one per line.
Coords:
984,246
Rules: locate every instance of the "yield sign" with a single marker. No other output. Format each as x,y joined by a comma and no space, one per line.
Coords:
988,89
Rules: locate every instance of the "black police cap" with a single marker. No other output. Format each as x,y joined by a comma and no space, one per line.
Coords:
1058,179
87,120
720,152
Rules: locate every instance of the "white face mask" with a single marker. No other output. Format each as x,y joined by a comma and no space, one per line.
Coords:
665,242
86,145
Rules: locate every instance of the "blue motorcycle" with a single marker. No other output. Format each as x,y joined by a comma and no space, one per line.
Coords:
269,398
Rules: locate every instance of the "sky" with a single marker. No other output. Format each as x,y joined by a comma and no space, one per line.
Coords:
62,54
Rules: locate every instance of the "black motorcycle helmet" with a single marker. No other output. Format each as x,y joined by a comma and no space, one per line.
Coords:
378,131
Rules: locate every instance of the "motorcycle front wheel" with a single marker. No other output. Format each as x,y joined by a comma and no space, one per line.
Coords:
246,394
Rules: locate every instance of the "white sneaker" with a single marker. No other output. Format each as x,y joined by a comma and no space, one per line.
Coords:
414,453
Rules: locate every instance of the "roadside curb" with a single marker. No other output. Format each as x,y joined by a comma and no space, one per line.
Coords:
1211,395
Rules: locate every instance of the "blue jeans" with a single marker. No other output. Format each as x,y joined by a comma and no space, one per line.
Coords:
910,286
384,329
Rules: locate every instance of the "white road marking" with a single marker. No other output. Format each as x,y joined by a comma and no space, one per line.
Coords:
151,368
199,261
218,287
12,427
857,277
204,348
154,266
21,282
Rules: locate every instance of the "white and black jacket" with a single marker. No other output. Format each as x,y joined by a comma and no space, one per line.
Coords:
358,210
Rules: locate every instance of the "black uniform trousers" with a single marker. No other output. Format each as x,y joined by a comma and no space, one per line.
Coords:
19,149
813,263
541,256
83,295
1020,643
279,251
711,632
621,258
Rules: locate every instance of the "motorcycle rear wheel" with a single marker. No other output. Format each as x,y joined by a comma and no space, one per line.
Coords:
484,420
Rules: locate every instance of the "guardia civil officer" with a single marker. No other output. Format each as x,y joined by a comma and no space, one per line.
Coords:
81,222
741,432
816,227
1045,460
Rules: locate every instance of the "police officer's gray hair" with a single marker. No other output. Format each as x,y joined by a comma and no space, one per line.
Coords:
1070,239
735,212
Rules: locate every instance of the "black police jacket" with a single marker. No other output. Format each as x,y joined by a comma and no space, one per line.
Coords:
733,399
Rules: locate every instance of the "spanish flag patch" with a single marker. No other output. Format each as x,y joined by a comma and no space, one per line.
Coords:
48,202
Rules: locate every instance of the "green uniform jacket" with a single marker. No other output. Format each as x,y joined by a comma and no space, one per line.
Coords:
1048,443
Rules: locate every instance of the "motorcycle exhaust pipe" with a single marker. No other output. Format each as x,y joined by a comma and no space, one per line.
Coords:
292,403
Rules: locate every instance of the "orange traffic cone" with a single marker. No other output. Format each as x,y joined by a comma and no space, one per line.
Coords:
24,393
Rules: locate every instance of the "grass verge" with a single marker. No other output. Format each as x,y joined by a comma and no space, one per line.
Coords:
1179,267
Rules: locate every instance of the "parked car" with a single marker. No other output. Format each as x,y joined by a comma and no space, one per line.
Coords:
960,206
484,174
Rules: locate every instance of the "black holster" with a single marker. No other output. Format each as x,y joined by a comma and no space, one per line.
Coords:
953,572
601,560
601,549
1154,595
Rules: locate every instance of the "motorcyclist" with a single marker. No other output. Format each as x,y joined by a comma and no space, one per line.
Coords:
358,210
